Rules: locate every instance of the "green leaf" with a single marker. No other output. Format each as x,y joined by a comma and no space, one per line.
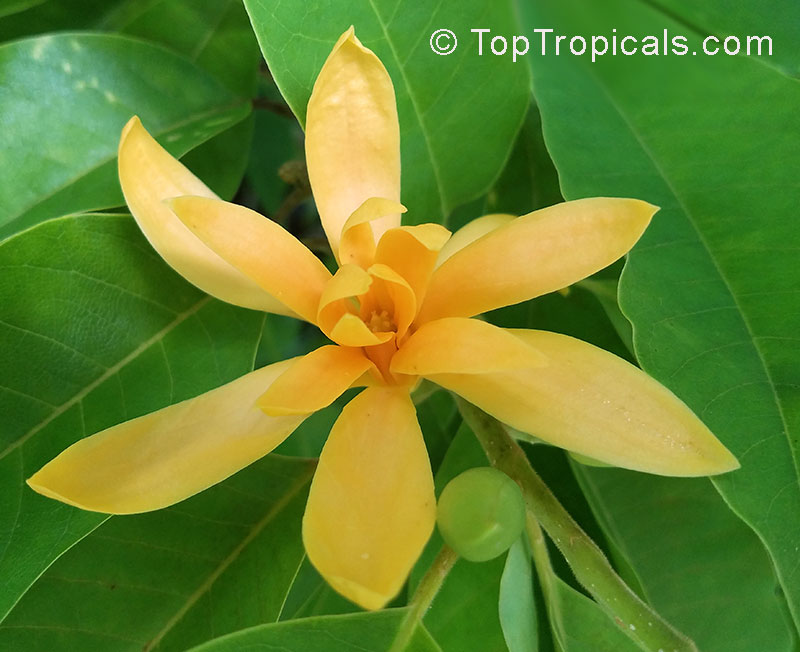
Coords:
51,15
216,35
711,289
517,608
360,632
688,549
274,143
440,98
68,96
15,6
529,181
171,579
778,20
95,329
311,595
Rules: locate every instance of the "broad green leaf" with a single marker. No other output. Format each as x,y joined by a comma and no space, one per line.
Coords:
606,291
517,607
529,181
360,632
62,160
15,6
216,563
700,566
95,329
42,16
445,102
216,35
711,289
464,613
722,18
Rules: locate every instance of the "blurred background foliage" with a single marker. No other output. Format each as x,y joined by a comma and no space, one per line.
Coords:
96,329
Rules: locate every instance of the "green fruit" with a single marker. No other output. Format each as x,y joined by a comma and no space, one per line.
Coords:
481,513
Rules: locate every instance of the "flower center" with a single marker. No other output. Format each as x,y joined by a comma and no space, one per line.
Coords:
380,322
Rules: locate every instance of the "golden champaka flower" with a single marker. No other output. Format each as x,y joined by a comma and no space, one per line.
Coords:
399,308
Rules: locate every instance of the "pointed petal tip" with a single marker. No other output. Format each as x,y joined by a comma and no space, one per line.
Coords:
649,209
131,124
725,463
38,482
360,595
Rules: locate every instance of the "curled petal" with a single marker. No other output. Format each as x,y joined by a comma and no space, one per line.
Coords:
352,137
389,287
314,381
149,175
260,249
350,330
357,246
464,346
371,507
411,251
336,302
535,254
163,457
597,405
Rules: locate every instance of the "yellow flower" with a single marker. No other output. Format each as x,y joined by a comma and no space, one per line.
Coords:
398,309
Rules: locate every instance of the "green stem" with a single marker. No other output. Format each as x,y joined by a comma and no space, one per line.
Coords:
426,591
590,566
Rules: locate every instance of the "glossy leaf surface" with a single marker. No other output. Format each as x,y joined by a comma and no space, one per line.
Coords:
88,76
711,289
95,330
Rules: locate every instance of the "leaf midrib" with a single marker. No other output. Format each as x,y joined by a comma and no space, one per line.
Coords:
108,373
728,287
417,113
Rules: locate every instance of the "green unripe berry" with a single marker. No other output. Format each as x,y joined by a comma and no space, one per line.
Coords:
481,513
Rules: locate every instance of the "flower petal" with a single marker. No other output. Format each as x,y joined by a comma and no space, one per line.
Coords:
352,137
350,330
598,405
259,248
535,254
148,175
411,251
349,282
471,231
163,457
357,246
371,508
463,346
392,289
314,381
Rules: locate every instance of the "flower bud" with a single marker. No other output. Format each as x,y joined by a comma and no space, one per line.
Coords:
481,513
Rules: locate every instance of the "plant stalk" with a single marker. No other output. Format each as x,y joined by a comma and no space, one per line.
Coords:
590,566
423,597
